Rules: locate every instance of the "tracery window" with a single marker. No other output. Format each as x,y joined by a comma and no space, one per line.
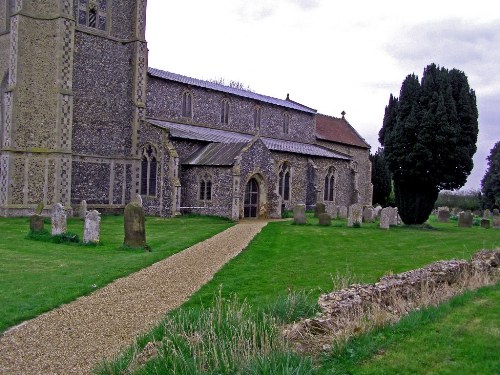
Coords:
329,192
205,191
256,116
187,104
284,181
224,112
286,123
93,13
149,166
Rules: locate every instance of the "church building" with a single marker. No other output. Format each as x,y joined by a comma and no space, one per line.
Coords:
83,117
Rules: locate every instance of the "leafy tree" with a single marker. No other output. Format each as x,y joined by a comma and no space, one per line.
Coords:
490,184
429,136
381,178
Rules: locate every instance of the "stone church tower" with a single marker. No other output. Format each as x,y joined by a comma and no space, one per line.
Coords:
73,84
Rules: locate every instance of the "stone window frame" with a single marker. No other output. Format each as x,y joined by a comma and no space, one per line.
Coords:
224,111
187,104
285,181
286,122
205,188
149,175
100,9
257,116
329,188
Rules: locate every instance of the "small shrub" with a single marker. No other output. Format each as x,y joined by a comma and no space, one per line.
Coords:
356,225
65,238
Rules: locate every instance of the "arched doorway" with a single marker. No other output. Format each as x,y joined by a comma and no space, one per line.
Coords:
251,204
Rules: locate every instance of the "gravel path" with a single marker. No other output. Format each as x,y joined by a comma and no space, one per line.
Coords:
74,338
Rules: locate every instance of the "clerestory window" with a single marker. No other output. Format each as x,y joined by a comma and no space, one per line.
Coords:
93,13
224,112
149,167
286,123
187,104
256,116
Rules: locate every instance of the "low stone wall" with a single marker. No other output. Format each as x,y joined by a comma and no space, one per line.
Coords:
395,295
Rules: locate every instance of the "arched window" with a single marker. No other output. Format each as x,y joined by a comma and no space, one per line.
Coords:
187,104
224,112
93,13
284,181
205,191
329,192
256,117
148,170
286,123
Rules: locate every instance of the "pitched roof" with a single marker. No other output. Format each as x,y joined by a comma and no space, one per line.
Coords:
215,154
338,130
200,133
228,90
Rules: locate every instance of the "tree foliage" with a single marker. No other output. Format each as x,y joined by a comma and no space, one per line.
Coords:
429,136
490,184
381,178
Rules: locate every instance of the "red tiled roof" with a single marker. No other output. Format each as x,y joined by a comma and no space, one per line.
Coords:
338,130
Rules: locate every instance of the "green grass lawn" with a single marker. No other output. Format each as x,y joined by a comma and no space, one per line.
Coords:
38,276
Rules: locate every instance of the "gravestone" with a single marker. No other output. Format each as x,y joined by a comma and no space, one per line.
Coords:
137,200
443,214
319,209
37,223
39,208
342,212
333,212
395,219
485,223
325,219
496,222
83,209
299,214
465,219
134,225
58,219
376,212
454,211
386,216
92,227
495,212
368,214
486,214
355,215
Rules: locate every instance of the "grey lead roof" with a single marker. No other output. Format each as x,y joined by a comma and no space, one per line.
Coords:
215,154
200,133
229,90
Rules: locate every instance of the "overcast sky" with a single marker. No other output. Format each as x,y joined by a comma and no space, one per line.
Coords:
332,55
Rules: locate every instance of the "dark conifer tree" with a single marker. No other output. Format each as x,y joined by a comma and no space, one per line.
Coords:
381,178
429,136
490,184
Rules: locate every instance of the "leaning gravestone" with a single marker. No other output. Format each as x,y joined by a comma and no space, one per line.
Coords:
36,220
134,225
83,209
92,227
443,214
485,223
299,214
342,212
368,214
325,219
319,209
58,219
465,219
355,215
376,212
496,222
486,214
386,216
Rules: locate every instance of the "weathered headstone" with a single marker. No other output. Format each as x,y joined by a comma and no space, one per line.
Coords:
92,227
137,200
39,208
83,209
58,219
134,225
496,212
368,214
485,223
443,214
37,223
496,222
325,219
454,211
333,212
386,216
396,219
376,212
465,219
355,215
299,214
486,214
319,209
342,212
